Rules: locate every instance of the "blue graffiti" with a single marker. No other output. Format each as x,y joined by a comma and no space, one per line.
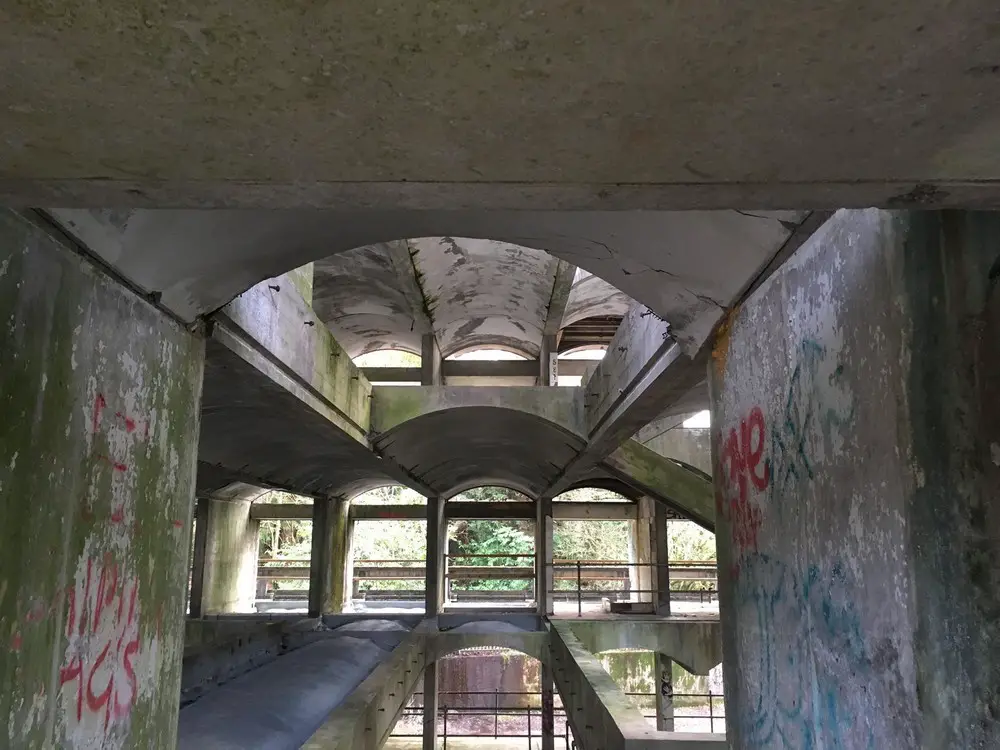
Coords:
791,697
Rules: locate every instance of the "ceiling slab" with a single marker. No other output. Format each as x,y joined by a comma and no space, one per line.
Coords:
775,103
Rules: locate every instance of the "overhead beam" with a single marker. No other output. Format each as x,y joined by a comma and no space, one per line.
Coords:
569,511
681,487
280,512
475,368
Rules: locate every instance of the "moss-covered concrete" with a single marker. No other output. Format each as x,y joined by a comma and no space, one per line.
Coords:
99,411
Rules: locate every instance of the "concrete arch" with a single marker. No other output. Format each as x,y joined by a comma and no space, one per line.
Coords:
530,643
684,265
448,448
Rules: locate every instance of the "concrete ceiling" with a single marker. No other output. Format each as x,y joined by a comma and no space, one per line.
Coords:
640,104
472,293
685,266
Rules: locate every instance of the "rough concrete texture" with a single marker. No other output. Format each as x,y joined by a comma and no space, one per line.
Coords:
365,718
601,715
685,490
230,583
776,104
856,433
695,644
276,318
686,266
667,436
279,705
98,435
459,437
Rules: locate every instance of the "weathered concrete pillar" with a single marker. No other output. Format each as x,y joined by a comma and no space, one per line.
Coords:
643,575
341,576
548,708
430,360
320,555
196,594
434,577
430,706
856,421
99,411
663,669
543,556
548,361
231,546
661,556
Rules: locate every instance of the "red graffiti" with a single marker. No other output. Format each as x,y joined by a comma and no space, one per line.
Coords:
177,523
102,628
742,466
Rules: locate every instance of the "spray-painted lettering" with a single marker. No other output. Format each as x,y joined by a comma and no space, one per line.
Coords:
102,627
743,472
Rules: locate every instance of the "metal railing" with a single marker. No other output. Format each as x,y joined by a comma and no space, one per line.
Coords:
589,574
584,580
527,720
714,713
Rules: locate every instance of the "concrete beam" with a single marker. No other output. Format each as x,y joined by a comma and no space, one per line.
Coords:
562,284
473,510
280,512
475,368
601,716
683,488
567,511
387,512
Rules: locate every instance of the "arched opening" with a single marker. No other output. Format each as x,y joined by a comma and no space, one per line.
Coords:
577,365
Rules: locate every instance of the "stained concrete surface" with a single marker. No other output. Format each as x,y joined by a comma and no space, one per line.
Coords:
279,705
771,104
99,404
854,419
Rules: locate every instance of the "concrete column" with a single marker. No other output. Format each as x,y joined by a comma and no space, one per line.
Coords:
320,555
99,410
643,576
548,708
430,360
434,581
663,669
341,577
548,361
856,436
230,580
543,556
196,595
661,555
430,706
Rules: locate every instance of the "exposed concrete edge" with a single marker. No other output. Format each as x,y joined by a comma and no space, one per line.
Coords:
532,643
366,717
601,715
694,644
259,358
917,192
683,488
